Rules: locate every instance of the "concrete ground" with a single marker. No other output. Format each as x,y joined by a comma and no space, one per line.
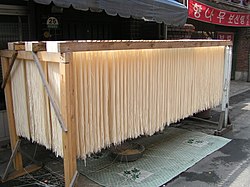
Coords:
229,166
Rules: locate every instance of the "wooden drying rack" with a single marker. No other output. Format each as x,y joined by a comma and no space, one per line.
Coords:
61,52
66,110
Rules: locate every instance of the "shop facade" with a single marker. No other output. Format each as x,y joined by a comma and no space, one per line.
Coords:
13,27
221,21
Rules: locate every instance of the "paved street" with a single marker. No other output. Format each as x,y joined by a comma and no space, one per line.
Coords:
229,166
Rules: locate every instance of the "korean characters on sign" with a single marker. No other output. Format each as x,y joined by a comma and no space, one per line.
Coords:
225,36
205,13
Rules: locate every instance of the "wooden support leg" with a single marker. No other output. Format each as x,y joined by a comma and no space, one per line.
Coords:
221,120
17,161
65,116
223,127
16,156
67,109
224,124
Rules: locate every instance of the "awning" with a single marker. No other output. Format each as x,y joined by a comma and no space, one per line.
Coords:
167,11
13,10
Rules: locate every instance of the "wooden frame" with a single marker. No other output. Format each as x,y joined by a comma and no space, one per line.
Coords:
61,52
67,110
95,45
14,139
68,140
74,46
18,164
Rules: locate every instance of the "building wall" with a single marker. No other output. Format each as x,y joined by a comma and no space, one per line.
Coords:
243,51
185,32
12,28
241,45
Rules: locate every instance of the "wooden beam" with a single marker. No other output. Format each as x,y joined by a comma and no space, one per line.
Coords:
56,50
7,74
25,55
93,45
136,44
67,110
7,53
27,46
16,46
42,55
52,57
18,164
35,46
21,172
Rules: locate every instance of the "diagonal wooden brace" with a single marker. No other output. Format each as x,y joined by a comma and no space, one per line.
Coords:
48,91
74,179
8,176
11,159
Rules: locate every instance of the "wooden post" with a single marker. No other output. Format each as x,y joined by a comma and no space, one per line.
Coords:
67,110
18,164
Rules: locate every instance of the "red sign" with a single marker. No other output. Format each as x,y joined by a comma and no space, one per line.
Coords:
205,13
225,36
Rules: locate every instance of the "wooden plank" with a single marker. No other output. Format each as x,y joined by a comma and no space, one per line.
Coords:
7,74
43,56
25,55
21,54
35,46
18,164
55,50
23,171
67,110
27,46
39,47
7,53
136,44
52,57
19,47
91,45
16,46
47,101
